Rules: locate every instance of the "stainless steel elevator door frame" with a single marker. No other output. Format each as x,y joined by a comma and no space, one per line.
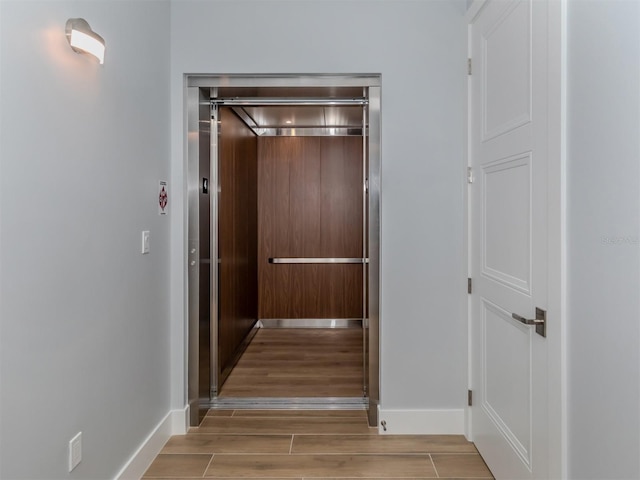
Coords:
196,86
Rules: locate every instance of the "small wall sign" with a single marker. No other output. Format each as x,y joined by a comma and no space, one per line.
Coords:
163,198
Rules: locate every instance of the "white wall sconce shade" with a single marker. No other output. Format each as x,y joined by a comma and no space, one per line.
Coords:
84,40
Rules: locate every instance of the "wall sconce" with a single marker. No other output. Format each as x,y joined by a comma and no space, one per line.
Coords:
84,40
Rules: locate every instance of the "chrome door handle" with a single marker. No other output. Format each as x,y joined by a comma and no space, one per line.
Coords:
527,321
540,321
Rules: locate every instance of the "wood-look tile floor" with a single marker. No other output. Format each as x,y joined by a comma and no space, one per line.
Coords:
301,445
299,362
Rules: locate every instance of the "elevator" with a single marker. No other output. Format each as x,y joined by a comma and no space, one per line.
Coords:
283,240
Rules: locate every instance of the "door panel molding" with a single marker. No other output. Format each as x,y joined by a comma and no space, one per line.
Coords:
515,377
514,216
516,95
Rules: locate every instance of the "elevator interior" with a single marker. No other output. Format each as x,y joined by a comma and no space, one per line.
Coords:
284,221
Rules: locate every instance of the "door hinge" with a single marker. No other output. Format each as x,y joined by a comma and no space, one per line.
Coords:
469,175
469,285
470,398
468,66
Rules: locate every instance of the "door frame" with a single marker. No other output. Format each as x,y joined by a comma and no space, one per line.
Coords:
197,127
557,232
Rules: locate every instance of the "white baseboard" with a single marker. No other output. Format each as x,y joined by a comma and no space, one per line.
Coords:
423,422
174,423
180,421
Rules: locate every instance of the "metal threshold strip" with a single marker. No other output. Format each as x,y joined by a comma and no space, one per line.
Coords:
310,323
304,260
286,403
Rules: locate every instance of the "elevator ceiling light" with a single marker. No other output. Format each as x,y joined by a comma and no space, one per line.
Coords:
84,40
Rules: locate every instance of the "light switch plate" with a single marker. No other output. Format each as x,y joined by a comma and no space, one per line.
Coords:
145,241
75,451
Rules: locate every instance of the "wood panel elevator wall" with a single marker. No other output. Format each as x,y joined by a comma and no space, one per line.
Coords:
238,289
310,205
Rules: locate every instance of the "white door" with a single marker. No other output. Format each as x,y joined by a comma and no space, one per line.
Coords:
508,236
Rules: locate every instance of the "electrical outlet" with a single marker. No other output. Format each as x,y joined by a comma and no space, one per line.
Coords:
145,241
75,451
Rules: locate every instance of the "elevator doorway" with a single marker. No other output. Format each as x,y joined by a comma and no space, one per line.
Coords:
285,181
309,225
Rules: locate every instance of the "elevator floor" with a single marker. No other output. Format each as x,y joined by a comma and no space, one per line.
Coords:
287,362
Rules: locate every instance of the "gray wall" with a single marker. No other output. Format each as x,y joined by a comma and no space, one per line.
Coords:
84,316
420,50
604,244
